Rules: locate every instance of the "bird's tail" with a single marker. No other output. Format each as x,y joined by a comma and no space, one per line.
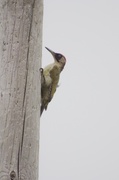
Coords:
41,110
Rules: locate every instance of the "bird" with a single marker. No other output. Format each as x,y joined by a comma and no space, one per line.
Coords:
50,76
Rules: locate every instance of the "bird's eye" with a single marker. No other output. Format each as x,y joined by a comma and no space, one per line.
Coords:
58,56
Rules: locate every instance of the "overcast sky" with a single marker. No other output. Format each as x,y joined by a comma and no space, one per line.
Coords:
79,137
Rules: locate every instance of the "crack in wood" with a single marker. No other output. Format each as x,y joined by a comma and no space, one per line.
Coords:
26,78
23,131
18,162
29,36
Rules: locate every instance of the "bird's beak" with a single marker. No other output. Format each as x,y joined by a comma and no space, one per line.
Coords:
52,52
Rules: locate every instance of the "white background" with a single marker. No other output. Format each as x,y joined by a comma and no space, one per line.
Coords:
79,137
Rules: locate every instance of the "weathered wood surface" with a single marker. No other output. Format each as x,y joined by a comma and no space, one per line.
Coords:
20,56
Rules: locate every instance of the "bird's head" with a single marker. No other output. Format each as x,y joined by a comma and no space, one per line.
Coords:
59,58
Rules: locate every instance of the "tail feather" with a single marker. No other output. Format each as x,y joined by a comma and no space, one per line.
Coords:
41,110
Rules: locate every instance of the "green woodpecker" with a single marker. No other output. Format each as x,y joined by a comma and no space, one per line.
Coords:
50,77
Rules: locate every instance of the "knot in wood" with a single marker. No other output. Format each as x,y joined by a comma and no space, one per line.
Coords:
12,175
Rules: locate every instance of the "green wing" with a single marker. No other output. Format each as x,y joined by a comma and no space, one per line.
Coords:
54,74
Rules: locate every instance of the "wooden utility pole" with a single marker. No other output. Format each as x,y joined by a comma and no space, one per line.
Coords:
20,57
